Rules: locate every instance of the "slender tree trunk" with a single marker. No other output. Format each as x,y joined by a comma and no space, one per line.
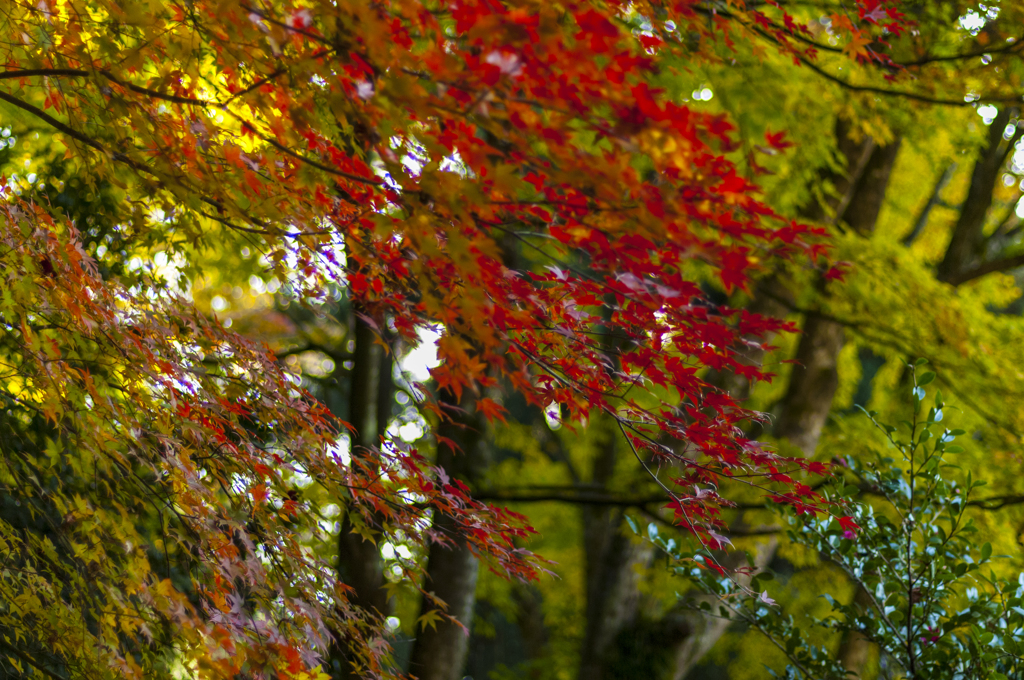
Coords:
439,652
613,596
612,586
440,649
530,620
360,564
815,377
813,383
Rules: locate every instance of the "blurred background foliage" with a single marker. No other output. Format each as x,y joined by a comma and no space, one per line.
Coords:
894,167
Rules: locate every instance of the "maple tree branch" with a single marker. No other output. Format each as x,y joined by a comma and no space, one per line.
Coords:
263,15
158,95
903,93
30,661
997,502
311,346
611,500
570,497
273,75
120,157
326,168
1010,47
1016,44
71,132
80,73
45,72
880,90
177,99
1000,265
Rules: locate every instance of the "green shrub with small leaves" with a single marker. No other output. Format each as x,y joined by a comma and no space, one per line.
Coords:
930,599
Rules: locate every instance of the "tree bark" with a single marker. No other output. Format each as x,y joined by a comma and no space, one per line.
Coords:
965,244
530,619
815,377
613,594
359,561
855,649
868,194
611,584
439,652
360,564
813,383
803,411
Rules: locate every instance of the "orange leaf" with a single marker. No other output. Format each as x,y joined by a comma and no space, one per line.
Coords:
491,409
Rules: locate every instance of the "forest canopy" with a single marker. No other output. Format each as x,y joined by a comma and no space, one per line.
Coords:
310,310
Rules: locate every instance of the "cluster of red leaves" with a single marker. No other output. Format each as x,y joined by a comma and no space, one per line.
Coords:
181,425
510,171
879,22
615,198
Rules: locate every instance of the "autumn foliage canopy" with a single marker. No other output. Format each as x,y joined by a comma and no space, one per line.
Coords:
403,152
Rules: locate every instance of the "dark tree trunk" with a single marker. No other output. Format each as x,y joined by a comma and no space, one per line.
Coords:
803,411
613,595
815,378
813,383
360,564
610,570
439,652
868,194
965,244
530,620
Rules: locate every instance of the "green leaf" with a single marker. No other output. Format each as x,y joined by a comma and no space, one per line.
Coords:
986,552
925,378
430,618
